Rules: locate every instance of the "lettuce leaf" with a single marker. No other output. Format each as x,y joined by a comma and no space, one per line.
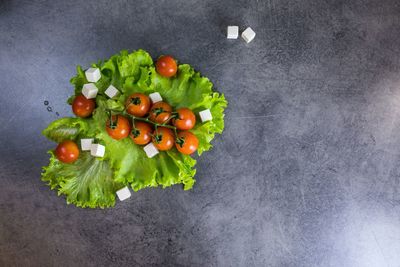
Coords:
92,182
65,128
88,182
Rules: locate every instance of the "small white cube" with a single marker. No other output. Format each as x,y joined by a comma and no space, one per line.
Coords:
86,143
93,75
89,90
232,32
111,91
97,150
124,193
205,115
150,150
248,35
155,97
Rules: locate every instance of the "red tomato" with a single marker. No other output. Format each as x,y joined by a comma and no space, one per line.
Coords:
67,151
138,104
160,112
141,133
166,66
186,142
163,138
185,120
118,128
83,107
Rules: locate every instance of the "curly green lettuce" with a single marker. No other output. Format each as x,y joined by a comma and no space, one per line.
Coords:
65,128
92,182
88,182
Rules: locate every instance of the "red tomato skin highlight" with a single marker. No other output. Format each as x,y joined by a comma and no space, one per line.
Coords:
67,151
166,66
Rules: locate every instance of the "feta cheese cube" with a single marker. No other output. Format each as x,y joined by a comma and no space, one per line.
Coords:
89,90
205,115
124,193
150,150
86,143
248,35
232,32
97,150
111,91
155,97
93,75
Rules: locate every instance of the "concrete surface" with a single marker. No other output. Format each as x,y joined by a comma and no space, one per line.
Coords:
307,172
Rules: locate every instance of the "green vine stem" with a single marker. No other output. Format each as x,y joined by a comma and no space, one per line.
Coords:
155,123
113,124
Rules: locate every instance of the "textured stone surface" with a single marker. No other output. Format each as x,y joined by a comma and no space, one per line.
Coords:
307,172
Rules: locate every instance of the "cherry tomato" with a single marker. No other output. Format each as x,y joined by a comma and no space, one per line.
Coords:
160,112
67,151
163,138
118,128
186,142
141,133
185,120
138,104
166,66
83,107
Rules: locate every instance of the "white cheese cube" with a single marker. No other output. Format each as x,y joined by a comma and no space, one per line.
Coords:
111,91
248,35
124,193
155,97
89,90
150,150
232,32
86,143
97,150
205,115
93,75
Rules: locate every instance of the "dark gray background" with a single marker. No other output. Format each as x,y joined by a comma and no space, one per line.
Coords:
306,173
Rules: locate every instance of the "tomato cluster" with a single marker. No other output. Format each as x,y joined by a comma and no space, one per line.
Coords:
155,122
151,122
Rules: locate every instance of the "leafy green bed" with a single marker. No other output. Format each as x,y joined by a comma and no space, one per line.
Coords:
92,182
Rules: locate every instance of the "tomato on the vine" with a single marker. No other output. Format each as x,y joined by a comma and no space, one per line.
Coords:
118,128
141,133
83,107
166,66
160,112
67,151
185,119
163,138
137,104
186,142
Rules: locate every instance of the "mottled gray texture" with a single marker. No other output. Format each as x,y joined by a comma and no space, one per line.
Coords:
307,172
